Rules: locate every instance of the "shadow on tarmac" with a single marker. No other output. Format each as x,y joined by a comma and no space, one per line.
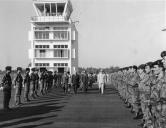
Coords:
36,110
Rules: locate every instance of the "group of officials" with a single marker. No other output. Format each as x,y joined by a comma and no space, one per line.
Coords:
143,90
38,82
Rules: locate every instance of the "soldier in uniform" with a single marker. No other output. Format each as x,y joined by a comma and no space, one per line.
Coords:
6,85
18,86
158,96
51,78
65,79
42,80
36,82
69,82
55,79
84,80
141,71
75,82
26,83
33,82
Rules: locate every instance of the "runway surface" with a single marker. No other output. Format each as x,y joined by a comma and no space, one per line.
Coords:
58,110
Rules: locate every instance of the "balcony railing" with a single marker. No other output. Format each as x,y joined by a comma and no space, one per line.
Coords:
48,19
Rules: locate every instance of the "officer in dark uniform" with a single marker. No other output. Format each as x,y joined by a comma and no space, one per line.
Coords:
6,84
55,79
84,79
51,78
42,78
65,80
46,81
18,86
26,85
33,82
36,82
75,82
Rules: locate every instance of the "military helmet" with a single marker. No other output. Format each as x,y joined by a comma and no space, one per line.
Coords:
158,62
150,64
27,69
163,53
142,66
8,68
134,67
19,69
32,69
42,69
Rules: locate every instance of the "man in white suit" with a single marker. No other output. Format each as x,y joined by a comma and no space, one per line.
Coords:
101,79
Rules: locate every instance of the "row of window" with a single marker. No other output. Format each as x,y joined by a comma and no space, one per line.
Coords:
48,28
60,35
41,46
47,46
47,64
42,64
60,64
60,46
60,53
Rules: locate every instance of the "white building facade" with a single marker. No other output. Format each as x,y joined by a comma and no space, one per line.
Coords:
53,36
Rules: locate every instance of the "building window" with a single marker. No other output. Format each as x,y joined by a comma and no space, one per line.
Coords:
42,64
61,35
42,46
61,53
41,35
60,64
60,46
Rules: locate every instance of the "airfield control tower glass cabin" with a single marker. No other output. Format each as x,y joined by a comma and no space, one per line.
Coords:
53,36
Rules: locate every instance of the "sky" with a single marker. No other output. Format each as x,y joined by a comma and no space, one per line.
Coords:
111,32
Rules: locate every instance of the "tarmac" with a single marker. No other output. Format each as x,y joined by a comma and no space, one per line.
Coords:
58,110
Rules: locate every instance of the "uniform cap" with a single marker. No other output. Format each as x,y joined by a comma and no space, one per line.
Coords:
8,68
150,64
42,69
142,66
163,53
19,68
158,62
27,69
32,69
134,67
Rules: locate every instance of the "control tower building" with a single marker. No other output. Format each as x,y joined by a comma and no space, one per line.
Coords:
53,36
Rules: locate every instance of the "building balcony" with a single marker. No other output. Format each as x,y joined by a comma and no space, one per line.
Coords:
49,19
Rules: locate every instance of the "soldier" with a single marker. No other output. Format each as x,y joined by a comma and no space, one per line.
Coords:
163,93
33,82
135,92
18,86
69,82
75,82
36,82
42,81
141,71
55,79
84,80
158,96
145,97
6,85
26,85
65,79
91,80
51,78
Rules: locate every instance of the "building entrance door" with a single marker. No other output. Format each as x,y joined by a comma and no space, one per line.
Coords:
61,70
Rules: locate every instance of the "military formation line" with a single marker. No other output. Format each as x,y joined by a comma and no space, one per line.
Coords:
38,82
143,90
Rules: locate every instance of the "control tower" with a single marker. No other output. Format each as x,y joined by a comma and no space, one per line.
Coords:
53,36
